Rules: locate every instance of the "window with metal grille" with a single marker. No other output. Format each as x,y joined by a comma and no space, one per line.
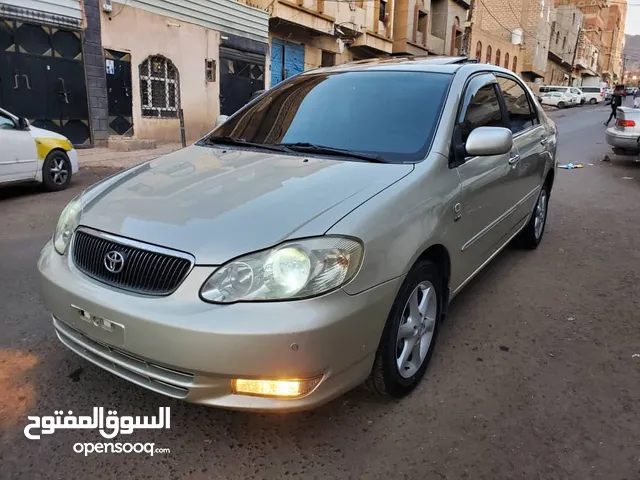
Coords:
210,70
159,88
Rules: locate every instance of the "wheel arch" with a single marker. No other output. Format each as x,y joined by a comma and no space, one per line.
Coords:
439,255
549,179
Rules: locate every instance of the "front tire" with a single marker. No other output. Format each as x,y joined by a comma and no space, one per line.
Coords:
410,333
561,105
532,234
56,171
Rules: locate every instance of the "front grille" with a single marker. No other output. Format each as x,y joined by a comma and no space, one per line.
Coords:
144,270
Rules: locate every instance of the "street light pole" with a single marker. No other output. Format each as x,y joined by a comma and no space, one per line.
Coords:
573,60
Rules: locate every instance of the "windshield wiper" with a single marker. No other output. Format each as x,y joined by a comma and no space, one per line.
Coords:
324,150
227,140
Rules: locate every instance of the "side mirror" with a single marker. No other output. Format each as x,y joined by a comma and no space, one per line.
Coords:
487,141
221,119
23,123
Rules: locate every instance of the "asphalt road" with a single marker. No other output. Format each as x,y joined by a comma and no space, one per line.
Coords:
534,376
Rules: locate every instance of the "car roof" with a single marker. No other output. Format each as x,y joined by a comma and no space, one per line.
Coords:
436,64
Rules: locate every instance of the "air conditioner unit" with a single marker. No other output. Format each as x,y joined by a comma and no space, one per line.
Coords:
107,6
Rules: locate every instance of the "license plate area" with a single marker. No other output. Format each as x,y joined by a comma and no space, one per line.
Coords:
97,327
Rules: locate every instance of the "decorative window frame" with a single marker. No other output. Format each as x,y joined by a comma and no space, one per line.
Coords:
146,81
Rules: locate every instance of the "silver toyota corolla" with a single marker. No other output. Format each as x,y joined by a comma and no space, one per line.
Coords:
311,242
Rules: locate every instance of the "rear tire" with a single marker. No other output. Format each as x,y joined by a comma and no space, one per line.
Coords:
593,101
532,234
56,171
411,330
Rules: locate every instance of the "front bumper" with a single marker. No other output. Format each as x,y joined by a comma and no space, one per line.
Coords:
73,159
620,139
184,348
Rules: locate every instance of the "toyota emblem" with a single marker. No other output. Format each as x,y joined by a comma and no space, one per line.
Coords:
114,261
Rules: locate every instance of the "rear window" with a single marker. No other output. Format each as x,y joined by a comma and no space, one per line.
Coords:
591,89
391,114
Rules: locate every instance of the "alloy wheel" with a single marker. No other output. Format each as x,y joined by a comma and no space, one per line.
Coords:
416,329
58,171
540,214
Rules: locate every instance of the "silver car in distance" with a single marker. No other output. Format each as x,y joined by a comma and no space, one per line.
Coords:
311,242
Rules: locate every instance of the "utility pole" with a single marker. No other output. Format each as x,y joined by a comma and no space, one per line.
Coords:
573,60
466,44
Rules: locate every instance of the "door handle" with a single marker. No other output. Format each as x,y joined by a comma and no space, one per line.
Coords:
543,141
515,159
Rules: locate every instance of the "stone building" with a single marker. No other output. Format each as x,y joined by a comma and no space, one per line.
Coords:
566,23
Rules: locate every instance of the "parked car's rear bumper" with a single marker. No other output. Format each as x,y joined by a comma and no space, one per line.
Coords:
620,139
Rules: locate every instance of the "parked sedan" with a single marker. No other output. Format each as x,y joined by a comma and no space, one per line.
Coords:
558,99
624,136
30,154
315,244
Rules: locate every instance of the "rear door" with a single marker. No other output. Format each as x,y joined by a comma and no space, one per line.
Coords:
529,138
487,193
18,156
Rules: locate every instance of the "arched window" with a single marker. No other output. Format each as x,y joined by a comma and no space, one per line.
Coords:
514,67
488,60
506,60
498,57
479,51
159,87
564,44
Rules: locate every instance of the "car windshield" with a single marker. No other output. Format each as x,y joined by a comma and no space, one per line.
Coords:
391,115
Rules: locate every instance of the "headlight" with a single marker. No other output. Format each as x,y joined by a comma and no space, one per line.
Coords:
291,271
67,223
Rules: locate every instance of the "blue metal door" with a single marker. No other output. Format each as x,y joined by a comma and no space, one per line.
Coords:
287,59
293,59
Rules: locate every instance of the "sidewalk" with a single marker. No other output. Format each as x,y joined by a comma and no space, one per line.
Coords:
104,157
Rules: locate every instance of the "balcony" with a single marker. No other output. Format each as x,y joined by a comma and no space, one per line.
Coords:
307,14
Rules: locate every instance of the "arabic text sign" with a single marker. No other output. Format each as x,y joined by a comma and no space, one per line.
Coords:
109,426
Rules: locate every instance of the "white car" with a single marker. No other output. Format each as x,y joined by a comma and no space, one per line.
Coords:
558,99
30,154
593,95
581,98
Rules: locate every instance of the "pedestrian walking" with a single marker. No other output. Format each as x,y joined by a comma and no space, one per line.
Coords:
636,97
615,102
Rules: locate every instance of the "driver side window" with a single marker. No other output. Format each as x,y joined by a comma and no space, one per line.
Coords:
483,110
6,123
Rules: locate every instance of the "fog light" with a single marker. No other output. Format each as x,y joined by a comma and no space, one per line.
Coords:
274,388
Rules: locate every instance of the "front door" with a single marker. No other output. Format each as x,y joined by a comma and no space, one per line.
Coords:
18,156
241,74
529,137
487,199
287,60
119,103
42,78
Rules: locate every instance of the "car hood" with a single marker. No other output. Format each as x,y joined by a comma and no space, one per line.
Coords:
42,133
217,204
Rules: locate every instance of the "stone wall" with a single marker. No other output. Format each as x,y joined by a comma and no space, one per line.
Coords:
95,74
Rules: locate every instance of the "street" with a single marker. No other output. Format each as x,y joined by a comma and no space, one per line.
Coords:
535,375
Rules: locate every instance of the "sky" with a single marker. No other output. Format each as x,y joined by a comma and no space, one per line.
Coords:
633,18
